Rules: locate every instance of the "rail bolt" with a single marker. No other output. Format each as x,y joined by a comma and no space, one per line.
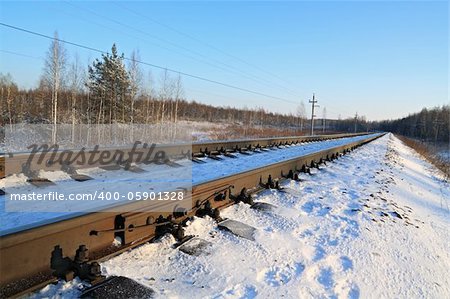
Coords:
95,271
290,174
82,254
178,233
270,184
179,212
61,265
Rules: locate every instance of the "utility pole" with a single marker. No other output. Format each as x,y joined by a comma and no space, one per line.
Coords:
356,120
313,105
437,123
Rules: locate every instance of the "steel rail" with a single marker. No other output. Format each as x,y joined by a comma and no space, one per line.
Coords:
12,163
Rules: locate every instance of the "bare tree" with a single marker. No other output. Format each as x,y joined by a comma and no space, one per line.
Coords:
164,92
261,117
76,84
7,87
301,114
135,74
54,68
150,91
178,93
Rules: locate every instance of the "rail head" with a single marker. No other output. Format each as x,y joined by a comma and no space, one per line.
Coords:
53,159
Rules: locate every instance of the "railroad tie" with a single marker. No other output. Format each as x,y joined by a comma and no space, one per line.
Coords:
69,169
135,169
195,246
240,229
215,157
197,160
33,177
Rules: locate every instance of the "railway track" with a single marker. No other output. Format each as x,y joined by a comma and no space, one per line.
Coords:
37,256
16,161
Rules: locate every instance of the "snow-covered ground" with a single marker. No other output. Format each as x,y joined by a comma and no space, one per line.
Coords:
19,217
373,224
444,154
18,137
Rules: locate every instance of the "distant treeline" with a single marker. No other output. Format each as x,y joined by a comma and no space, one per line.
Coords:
427,125
109,91
35,106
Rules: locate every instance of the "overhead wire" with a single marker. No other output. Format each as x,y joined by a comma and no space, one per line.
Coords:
21,54
204,43
147,63
223,66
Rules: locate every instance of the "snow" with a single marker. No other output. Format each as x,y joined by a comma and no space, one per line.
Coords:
228,166
18,137
122,181
372,224
444,155
71,289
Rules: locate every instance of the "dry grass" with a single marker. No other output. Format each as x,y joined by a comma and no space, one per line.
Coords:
428,153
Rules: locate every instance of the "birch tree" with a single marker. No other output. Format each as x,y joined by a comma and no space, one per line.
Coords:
301,115
75,77
149,95
7,88
135,75
54,68
164,92
324,119
178,93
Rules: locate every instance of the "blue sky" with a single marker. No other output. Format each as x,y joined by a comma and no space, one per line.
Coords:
382,59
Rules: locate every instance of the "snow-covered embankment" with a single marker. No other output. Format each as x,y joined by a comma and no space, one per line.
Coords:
371,224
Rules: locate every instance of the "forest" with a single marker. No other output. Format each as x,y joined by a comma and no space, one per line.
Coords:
430,125
113,90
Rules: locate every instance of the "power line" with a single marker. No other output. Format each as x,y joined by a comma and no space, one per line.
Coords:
20,54
216,63
147,63
145,40
115,30
212,47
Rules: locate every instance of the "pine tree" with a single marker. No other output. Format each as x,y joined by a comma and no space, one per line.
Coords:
109,85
